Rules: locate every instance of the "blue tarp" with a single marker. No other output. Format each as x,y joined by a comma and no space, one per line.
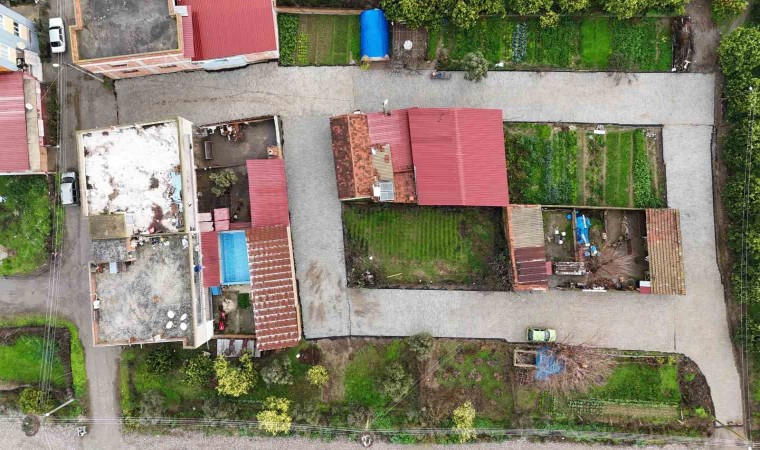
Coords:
234,258
375,38
546,364
582,223
177,184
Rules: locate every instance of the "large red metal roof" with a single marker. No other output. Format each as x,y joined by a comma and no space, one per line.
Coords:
459,157
268,191
393,129
210,254
226,28
14,147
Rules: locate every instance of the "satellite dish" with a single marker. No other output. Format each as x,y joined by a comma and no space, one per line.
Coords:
29,106
408,45
21,45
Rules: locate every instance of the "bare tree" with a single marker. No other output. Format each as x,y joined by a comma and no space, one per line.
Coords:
582,368
610,265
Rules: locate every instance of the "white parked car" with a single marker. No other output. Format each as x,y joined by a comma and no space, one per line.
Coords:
57,35
69,189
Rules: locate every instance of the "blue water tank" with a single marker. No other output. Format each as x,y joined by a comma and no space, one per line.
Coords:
375,37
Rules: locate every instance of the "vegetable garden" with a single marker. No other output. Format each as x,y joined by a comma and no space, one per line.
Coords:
573,165
318,40
594,43
413,245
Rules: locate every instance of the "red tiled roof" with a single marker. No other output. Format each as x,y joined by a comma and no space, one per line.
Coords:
459,156
665,251
225,28
14,147
210,254
393,129
188,39
268,190
273,289
354,171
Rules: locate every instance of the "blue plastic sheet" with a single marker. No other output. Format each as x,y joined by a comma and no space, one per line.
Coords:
546,364
375,38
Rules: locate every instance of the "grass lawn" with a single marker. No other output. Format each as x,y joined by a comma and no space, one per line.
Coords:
424,244
593,43
26,226
557,165
22,361
323,40
641,382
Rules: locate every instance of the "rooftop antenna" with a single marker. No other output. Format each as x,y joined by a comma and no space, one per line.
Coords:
385,107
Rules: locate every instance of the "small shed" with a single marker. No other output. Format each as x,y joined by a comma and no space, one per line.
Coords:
375,37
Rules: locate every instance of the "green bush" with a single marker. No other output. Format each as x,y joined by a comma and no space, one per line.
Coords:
476,66
198,370
464,421
275,419
421,345
397,382
32,401
727,9
317,376
234,380
287,27
244,300
161,358
222,181
277,372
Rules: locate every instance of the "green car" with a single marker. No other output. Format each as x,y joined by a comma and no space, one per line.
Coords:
541,335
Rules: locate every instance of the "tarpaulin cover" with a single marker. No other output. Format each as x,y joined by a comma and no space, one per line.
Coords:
546,364
375,38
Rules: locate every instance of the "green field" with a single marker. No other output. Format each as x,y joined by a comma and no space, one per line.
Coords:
424,244
21,361
595,43
557,165
27,217
319,40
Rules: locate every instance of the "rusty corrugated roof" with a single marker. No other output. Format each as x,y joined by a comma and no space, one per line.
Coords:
665,252
226,28
459,157
14,138
351,155
268,192
393,129
210,254
525,230
273,289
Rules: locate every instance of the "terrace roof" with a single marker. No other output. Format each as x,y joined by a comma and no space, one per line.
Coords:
665,252
268,191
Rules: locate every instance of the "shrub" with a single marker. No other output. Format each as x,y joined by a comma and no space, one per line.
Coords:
287,26
421,345
549,20
275,418
218,408
307,413
317,376
222,181
626,9
571,6
397,382
152,407
277,372
727,9
464,421
234,381
244,300
531,7
476,66
198,370
701,413
160,359
32,401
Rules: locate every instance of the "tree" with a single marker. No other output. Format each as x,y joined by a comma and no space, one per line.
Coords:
416,13
531,7
464,421
625,9
726,9
223,181
32,401
277,372
198,370
275,418
397,382
476,66
582,368
234,381
421,345
572,6
317,376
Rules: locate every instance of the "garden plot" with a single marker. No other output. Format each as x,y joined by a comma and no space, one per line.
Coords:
319,39
415,383
594,43
413,246
580,165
